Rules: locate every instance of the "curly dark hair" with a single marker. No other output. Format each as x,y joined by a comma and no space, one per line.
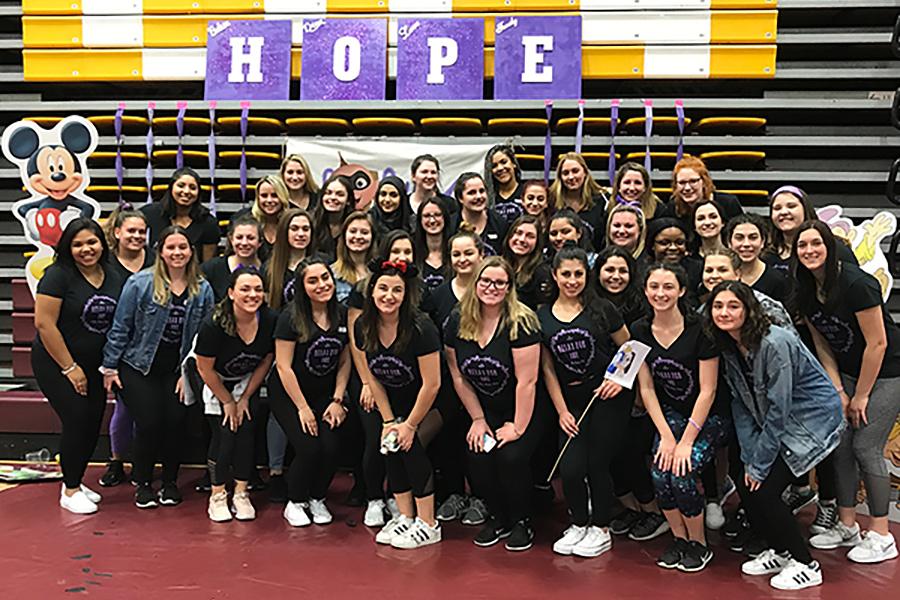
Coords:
409,313
301,307
756,322
590,300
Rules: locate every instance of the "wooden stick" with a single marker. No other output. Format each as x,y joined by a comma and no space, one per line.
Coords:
566,445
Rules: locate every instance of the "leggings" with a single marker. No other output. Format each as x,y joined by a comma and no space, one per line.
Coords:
503,476
276,441
159,419
448,450
863,449
373,463
411,470
590,455
81,416
315,457
770,517
680,492
121,429
631,468
230,452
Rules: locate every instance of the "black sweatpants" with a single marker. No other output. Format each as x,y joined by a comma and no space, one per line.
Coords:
631,467
590,455
315,457
230,452
159,419
81,416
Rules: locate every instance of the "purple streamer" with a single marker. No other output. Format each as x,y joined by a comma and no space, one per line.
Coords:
579,129
648,131
148,175
179,128
548,145
613,126
245,116
211,150
679,112
117,127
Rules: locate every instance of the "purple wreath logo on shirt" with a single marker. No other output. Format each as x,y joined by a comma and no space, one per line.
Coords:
837,331
509,210
676,379
322,355
174,324
391,371
242,364
486,374
288,292
97,314
574,348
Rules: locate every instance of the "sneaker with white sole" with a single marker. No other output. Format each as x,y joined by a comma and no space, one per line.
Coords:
799,498
651,525
728,488
797,576
392,508
837,536
874,548
319,512
242,507
295,515
374,516
452,508
77,503
594,543
476,513
417,535
392,528
826,517
767,562
570,537
91,494
218,507
715,518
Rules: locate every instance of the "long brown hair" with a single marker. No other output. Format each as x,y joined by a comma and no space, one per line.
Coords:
281,254
589,188
344,266
162,283
648,200
527,265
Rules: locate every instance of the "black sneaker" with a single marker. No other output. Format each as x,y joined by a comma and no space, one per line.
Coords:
169,494
650,526
256,484
203,485
521,538
694,558
356,497
277,489
735,523
625,521
145,497
740,541
755,547
671,558
491,533
800,499
115,474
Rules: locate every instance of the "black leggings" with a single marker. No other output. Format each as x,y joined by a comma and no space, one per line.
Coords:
315,457
373,463
631,468
411,470
159,419
230,452
591,453
81,416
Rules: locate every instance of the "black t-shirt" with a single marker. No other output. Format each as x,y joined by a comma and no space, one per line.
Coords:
773,283
86,314
843,251
510,208
443,301
234,357
595,222
676,369
203,231
218,274
287,291
857,291
123,272
398,371
432,277
581,348
168,353
316,360
493,234
537,290
490,370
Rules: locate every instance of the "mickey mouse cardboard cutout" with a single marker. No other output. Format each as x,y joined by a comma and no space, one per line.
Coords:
52,164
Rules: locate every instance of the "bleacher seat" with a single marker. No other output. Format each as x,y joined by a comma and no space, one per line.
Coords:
255,125
255,158
635,125
530,161
516,126
317,126
192,126
451,126
596,160
131,125
660,159
383,126
110,193
729,125
749,196
192,158
590,126
725,159
106,159
43,121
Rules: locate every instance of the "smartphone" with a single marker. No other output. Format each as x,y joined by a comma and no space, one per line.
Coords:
489,442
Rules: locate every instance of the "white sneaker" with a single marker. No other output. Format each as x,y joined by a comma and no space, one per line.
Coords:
241,506
374,516
874,548
392,528
768,562
837,536
417,535
594,543
715,518
295,515
570,537
218,507
319,512
91,494
77,503
797,576
393,508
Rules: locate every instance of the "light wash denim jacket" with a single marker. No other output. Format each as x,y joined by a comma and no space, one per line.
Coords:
792,410
139,322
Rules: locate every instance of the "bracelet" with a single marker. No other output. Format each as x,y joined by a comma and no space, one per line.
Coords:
339,402
840,390
69,369
694,423
481,418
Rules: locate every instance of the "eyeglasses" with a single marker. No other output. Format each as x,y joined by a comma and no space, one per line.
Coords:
679,243
495,283
688,182
434,217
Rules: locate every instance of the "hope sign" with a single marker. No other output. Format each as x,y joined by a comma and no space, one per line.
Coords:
344,59
248,60
440,59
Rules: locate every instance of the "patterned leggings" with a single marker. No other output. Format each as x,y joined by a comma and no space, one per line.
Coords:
674,492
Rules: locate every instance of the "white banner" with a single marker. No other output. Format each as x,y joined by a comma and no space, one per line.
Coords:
365,162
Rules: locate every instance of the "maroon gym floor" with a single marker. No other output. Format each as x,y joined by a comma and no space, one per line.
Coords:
123,552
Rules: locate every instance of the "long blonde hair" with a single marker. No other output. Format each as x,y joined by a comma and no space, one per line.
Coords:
280,190
311,187
162,283
589,188
642,226
344,267
516,317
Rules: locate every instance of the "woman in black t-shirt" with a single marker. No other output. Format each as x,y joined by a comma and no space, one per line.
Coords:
574,187
431,236
503,177
293,243
73,310
242,250
580,334
493,351
234,353
336,202
667,242
471,193
271,199
522,250
747,235
678,388
859,346
306,393
401,367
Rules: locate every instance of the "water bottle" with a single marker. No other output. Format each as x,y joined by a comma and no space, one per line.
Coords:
42,455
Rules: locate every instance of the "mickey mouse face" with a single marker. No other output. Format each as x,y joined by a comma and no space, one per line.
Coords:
56,173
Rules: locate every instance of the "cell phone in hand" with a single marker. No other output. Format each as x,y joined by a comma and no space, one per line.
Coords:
489,442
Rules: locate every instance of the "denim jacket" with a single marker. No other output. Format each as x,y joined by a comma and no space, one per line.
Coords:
791,408
139,322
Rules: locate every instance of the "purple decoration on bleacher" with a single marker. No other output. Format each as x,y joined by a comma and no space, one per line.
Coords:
537,58
344,59
248,60
440,59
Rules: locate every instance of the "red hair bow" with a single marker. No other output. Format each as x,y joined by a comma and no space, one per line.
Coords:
398,265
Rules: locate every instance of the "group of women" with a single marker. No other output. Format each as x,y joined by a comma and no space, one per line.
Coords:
452,343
